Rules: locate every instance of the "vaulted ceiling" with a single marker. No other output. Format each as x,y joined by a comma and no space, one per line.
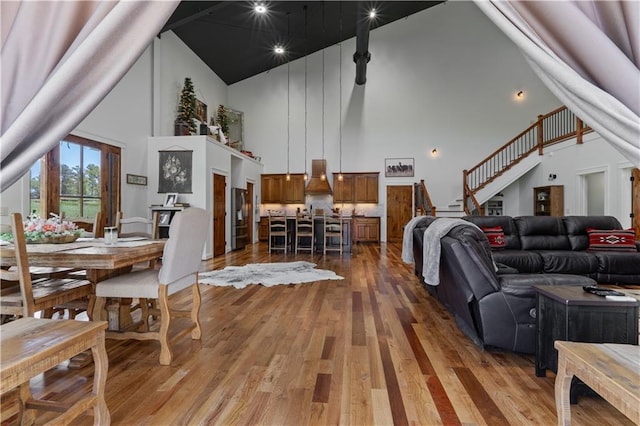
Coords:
238,43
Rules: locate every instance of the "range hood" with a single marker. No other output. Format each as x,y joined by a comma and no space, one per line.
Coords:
317,185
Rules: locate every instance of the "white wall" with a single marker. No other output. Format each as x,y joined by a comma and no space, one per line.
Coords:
444,78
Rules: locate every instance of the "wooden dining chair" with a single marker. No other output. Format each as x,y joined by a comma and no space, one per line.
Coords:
26,296
304,232
137,226
278,232
91,225
332,233
180,264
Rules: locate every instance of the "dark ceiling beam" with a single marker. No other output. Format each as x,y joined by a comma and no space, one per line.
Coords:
197,15
362,55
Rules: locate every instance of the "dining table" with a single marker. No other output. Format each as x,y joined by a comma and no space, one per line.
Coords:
99,259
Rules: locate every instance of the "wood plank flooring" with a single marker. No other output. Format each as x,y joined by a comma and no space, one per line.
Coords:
373,348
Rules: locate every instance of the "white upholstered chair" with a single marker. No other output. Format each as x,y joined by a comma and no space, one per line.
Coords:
180,264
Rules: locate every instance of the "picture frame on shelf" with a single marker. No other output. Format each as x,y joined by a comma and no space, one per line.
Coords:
170,199
136,179
201,111
164,218
398,167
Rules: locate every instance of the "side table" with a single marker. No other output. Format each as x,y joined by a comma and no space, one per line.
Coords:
569,313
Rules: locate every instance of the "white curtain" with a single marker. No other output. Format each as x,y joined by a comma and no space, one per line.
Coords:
59,60
588,54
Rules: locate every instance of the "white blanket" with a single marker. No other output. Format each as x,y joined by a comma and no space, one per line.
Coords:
431,246
407,239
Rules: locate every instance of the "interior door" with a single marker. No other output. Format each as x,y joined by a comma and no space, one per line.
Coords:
219,214
399,208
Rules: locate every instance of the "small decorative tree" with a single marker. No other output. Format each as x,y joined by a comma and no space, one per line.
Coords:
187,106
223,119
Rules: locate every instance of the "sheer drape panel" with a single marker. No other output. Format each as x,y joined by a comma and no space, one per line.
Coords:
587,53
59,60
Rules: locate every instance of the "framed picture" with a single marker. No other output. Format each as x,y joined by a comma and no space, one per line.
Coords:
174,171
164,218
170,199
201,111
136,179
398,167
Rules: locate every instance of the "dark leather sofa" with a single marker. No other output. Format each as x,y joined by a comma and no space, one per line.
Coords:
544,244
493,308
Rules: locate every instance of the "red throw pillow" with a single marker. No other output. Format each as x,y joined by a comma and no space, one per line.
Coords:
495,236
611,239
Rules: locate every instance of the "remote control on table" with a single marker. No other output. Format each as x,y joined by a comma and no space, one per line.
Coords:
600,291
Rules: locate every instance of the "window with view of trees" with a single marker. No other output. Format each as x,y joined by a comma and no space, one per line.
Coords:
78,178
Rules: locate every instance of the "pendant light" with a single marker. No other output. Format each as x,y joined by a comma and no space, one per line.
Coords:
340,176
288,100
306,176
323,176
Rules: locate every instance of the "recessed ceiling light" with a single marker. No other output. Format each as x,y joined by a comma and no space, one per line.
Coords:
260,8
279,50
372,14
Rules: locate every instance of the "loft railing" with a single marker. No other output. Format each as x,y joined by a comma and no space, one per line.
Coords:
556,126
424,205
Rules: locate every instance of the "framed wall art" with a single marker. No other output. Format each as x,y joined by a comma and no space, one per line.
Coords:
398,167
201,111
136,179
170,199
175,171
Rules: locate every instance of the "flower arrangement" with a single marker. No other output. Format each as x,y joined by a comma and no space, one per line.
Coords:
51,230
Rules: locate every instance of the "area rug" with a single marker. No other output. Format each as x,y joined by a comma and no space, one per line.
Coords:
267,274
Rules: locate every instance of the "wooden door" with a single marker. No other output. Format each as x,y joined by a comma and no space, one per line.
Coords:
250,218
635,201
399,208
219,214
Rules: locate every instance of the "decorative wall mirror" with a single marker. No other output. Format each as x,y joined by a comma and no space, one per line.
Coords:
236,128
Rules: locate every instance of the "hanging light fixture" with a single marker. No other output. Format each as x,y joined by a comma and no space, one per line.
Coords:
323,176
306,176
340,176
288,101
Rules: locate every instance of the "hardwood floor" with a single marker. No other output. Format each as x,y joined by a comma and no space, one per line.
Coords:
373,348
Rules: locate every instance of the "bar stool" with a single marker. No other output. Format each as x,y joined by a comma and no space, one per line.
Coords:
332,232
278,233
304,232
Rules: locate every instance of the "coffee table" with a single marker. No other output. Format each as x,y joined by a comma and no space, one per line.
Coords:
609,369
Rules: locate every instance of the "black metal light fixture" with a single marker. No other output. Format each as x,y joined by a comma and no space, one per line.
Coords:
323,176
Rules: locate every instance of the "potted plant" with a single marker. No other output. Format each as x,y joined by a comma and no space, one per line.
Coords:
185,122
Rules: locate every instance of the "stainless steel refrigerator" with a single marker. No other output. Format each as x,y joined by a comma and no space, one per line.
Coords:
239,218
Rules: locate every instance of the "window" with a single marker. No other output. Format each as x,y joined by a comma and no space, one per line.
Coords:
78,178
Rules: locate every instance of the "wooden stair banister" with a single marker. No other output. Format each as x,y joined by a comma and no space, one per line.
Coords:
556,126
423,200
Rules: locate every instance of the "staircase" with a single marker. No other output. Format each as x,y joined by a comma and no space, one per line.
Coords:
512,160
506,165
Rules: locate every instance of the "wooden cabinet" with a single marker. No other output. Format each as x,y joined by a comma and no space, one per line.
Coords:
356,188
548,200
277,189
366,229
294,189
263,229
343,189
271,188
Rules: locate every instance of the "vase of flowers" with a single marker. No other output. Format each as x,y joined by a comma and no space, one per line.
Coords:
53,230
